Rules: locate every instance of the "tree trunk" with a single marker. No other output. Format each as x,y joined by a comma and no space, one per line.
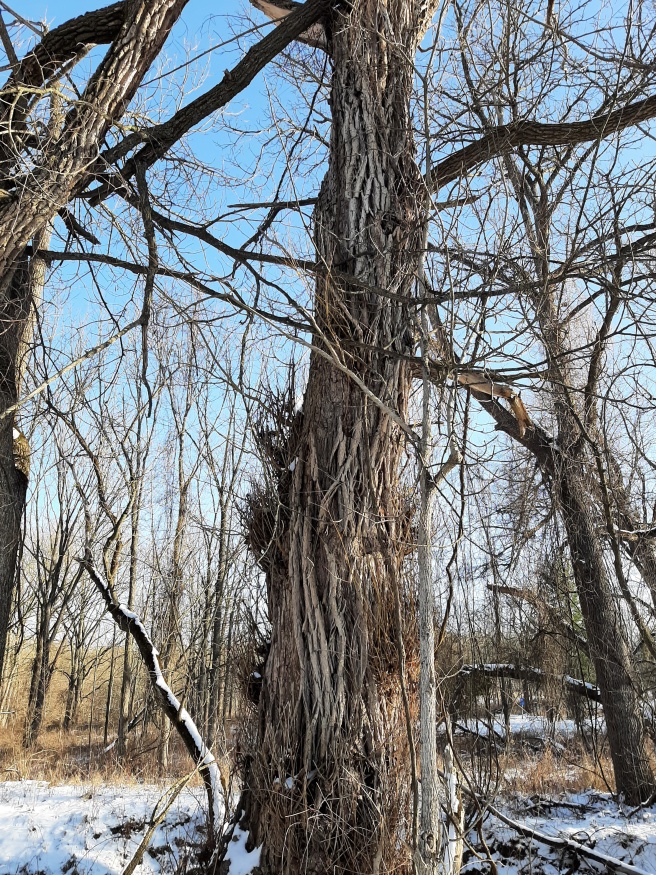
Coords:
577,489
226,696
217,672
110,692
125,705
326,788
45,675
574,486
35,677
40,677
74,690
610,653
15,312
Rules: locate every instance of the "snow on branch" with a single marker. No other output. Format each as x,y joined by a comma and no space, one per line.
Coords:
129,622
612,864
528,673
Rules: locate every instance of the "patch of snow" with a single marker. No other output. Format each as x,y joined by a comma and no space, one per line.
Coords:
92,830
242,862
577,682
533,725
592,819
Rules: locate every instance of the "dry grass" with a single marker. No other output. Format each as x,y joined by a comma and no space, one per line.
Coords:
549,772
72,757
79,754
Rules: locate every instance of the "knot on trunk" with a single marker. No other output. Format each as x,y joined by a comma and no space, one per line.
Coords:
21,453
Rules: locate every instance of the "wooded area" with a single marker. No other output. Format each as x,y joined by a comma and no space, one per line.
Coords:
327,407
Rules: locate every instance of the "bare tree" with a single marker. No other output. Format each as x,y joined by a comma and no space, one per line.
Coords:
57,576
42,168
324,784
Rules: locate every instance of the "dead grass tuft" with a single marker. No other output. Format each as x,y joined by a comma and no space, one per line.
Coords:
551,772
73,757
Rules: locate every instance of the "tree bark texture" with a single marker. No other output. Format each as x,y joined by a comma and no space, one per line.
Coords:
331,747
608,648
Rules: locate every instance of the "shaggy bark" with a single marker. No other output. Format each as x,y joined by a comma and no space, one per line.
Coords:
331,735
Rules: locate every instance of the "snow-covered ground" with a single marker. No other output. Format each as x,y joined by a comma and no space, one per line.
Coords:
92,830
591,819
95,830
529,725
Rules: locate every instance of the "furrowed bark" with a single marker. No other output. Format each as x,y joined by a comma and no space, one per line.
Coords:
323,768
45,61
608,648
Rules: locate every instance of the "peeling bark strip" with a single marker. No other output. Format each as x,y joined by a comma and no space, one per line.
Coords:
277,11
129,622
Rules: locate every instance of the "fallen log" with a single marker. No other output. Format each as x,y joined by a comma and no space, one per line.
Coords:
613,864
528,673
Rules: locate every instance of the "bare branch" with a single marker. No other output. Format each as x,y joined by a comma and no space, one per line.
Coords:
504,138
